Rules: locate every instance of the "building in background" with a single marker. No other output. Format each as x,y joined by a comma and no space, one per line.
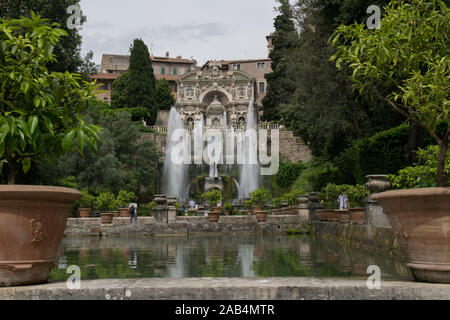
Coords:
172,69
114,65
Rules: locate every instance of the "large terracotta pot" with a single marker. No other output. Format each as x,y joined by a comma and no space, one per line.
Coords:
107,217
420,219
84,212
124,212
261,216
357,215
215,214
32,223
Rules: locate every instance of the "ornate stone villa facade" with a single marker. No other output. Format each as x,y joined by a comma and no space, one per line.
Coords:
211,92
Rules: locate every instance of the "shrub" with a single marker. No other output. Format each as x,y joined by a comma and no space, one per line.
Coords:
356,195
124,198
213,197
105,201
381,153
228,206
315,176
276,202
146,209
87,201
259,198
292,197
423,174
288,173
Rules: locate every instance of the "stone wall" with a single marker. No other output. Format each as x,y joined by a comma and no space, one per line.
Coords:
147,226
291,148
230,289
356,235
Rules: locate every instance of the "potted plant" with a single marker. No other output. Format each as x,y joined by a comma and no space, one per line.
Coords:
213,198
259,200
414,81
123,200
276,205
228,207
40,118
106,205
85,204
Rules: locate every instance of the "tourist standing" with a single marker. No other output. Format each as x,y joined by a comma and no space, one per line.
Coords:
133,212
192,204
343,201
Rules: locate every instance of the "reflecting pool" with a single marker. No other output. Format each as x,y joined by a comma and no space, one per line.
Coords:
219,256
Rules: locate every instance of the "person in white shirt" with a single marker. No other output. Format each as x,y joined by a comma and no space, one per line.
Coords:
343,201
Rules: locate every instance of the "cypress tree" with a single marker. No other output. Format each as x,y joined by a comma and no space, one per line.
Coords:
279,84
135,89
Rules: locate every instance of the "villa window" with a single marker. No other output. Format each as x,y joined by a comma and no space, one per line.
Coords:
174,71
262,87
163,70
237,67
261,65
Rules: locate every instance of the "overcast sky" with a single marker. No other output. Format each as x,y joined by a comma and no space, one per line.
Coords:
202,29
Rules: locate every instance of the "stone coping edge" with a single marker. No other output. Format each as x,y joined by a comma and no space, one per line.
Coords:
230,289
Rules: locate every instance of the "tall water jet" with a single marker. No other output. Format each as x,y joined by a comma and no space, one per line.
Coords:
175,176
250,170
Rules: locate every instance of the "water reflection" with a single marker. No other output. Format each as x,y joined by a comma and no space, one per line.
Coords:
225,256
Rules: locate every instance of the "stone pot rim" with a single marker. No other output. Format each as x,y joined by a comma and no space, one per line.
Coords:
416,192
383,176
39,193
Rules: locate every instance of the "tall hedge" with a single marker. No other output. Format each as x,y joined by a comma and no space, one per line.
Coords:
383,153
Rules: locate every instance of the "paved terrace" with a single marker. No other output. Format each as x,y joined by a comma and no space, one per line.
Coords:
230,289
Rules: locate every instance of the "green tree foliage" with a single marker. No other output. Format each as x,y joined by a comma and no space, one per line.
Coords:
356,195
121,162
322,108
315,176
405,63
67,50
88,67
135,89
383,153
421,175
40,112
279,85
105,201
213,197
124,198
164,98
288,173
259,198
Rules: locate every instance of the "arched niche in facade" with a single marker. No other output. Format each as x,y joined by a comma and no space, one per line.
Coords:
207,96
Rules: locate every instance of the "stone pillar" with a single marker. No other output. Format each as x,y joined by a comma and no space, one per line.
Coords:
374,211
303,210
314,205
160,212
172,210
